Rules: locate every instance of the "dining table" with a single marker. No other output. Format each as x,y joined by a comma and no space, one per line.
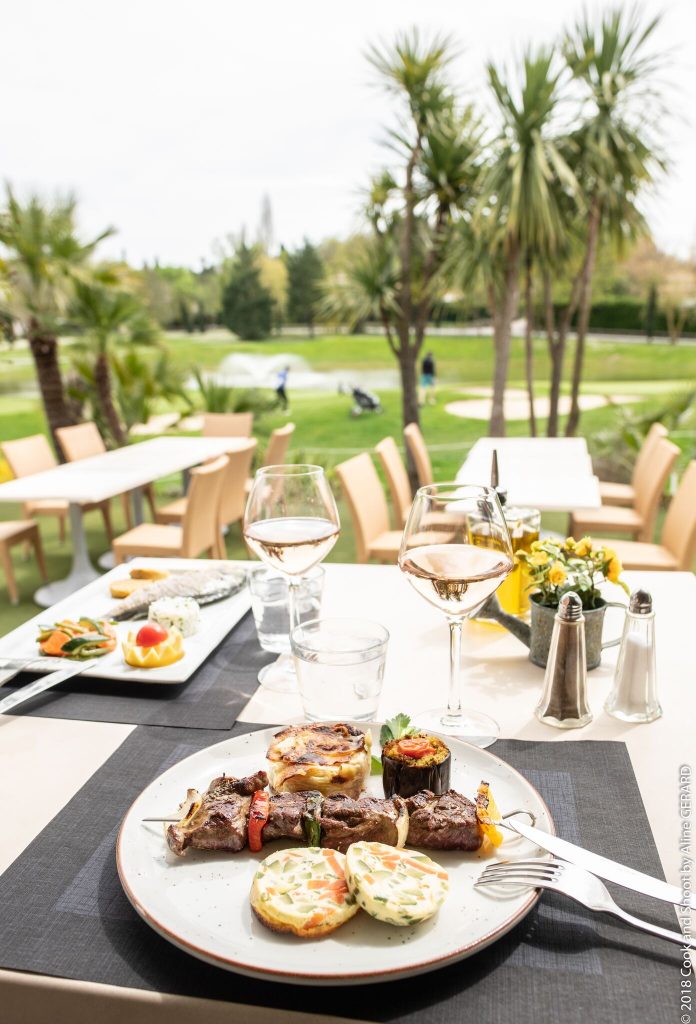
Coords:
55,760
124,470
553,474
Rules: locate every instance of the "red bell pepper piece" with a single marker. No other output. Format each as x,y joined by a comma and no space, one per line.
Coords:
259,812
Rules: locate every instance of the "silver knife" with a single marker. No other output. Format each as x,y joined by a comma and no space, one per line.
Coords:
44,683
602,866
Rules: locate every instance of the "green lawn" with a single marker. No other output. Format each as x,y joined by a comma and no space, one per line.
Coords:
327,434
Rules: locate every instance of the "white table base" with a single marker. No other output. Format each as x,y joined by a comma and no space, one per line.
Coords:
81,572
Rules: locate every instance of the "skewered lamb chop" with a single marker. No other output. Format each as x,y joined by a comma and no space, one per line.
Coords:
447,822
218,820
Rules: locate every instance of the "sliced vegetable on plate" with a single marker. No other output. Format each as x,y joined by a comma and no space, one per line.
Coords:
488,814
77,639
303,892
400,887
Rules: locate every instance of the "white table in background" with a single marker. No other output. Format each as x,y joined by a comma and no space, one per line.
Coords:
104,476
499,680
553,474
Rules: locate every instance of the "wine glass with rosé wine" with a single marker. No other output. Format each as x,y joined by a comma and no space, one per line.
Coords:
455,552
291,523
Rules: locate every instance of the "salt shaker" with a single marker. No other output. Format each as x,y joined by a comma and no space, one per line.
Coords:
564,698
634,695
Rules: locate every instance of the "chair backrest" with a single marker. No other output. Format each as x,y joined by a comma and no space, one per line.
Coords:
397,478
366,501
651,481
233,496
228,424
656,433
27,455
80,441
679,531
201,525
278,444
415,442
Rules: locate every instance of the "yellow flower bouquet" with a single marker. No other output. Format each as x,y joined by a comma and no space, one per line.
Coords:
557,566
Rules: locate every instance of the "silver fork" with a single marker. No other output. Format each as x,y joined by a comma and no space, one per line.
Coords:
580,885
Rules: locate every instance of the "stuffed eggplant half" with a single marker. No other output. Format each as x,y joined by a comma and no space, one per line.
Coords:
414,763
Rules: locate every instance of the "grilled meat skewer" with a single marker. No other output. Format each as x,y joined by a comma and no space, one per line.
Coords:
219,819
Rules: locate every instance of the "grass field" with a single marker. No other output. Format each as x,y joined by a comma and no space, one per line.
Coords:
327,434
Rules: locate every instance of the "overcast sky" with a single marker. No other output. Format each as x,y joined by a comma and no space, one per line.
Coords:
171,119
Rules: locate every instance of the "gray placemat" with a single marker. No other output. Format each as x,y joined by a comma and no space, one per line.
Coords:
211,699
64,913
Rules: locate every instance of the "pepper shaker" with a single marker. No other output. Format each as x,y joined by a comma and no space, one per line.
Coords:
633,697
563,702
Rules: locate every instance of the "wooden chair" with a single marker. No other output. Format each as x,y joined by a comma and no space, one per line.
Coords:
199,530
228,424
613,493
638,522
397,478
232,499
20,531
400,490
415,442
84,440
368,510
678,547
277,450
27,455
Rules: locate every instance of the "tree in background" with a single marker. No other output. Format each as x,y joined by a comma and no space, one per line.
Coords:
264,232
45,258
521,199
305,279
274,277
247,306
109,317
400,273
616,153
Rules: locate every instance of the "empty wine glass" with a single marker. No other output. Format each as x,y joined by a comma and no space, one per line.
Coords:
291,522
456,551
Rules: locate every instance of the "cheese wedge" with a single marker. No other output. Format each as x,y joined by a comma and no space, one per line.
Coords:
303,892
395,886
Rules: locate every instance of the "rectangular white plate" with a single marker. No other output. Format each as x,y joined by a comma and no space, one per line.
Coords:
95,600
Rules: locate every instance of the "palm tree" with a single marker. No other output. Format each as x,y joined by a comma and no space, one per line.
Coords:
398,276
109,316
617,156
520,204
44,258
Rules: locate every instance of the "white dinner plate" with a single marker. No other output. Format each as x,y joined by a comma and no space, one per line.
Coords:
95,600
200,902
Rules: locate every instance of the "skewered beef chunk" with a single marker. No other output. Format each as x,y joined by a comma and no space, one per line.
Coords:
225,785
285,817
446,822
220,822
345,821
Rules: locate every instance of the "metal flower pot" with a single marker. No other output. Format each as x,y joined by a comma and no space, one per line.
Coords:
542,621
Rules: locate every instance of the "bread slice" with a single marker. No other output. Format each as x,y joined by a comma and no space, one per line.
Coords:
148,574
303,892
124,588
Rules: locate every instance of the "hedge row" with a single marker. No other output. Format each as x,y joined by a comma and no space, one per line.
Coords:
618,315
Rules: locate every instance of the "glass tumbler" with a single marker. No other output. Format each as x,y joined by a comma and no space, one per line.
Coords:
340,668
271,610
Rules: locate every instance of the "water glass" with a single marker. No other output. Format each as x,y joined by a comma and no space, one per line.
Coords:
340,668
271,609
